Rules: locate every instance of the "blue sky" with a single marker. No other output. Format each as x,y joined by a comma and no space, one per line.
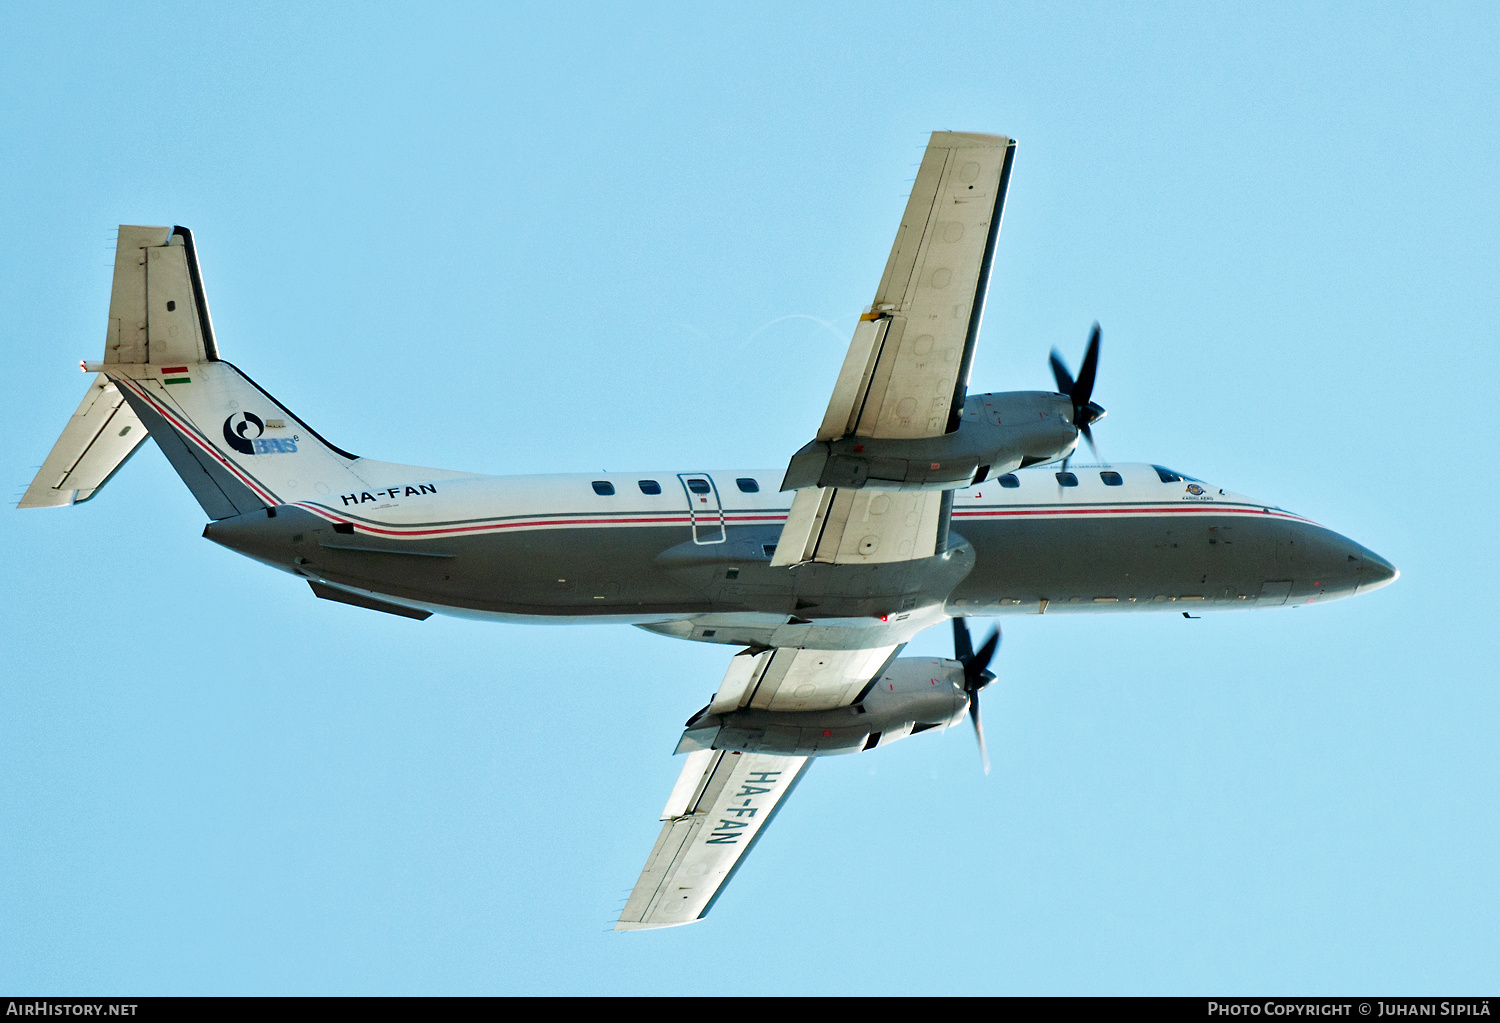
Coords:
526,240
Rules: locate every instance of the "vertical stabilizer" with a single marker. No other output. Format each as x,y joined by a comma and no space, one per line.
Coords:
157,309
237,448
157,312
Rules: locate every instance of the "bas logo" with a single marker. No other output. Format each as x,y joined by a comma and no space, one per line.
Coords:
242,431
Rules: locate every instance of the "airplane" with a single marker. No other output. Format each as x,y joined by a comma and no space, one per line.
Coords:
915,503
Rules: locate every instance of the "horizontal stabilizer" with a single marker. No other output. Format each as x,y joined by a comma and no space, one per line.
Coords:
98,438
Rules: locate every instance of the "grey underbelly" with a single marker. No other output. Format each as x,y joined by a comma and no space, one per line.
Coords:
1020,567
1148,564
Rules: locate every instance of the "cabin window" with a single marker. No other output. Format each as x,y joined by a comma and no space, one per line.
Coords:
1168,476
1008,481
1111,479
649,486
1067,479
749,486
604,488
699,486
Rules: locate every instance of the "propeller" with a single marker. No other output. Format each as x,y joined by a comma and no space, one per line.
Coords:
976,674
1079,392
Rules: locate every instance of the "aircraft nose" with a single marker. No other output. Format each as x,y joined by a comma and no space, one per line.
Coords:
1376,572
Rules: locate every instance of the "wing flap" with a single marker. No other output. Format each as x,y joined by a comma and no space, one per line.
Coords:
854,378
796,679
860,527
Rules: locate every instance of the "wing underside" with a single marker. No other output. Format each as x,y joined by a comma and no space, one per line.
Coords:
720,805
724,799
794,679
836,526
905,377
907,370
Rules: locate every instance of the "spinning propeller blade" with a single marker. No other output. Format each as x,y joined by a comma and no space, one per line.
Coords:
1060,373
1080,392
976,675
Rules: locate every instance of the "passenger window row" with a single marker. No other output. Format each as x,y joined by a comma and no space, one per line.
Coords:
1009,481
1064,479
604,488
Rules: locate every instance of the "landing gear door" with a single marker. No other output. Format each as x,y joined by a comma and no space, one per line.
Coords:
704,507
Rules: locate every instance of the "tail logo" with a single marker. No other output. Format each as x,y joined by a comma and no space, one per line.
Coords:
243,430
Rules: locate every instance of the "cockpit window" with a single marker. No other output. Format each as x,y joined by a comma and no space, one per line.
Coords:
1067,479
1008,481
604,488
1111,479
1168,476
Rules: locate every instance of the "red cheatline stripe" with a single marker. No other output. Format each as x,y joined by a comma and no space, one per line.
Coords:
1200,509
681,520
417,531
191,434
174,369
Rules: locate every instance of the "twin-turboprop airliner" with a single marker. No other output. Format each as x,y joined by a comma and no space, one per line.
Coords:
915,503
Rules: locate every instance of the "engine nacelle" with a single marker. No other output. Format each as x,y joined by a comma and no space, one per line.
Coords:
913,694
998,433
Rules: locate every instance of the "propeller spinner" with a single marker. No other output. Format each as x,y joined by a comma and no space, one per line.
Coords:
1080,391
976,674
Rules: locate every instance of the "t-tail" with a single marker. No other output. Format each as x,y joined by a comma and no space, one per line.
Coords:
236,447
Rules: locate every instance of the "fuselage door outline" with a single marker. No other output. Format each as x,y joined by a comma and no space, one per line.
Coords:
703,507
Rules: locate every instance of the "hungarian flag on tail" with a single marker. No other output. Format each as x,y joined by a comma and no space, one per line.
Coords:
175,375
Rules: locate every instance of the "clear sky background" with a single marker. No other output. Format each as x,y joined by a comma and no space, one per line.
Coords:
554,238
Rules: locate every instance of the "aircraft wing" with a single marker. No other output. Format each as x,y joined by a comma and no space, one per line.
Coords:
907,370
724,799
720,805
793,679
905,377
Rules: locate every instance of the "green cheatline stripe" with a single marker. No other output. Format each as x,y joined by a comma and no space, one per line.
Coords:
178,380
